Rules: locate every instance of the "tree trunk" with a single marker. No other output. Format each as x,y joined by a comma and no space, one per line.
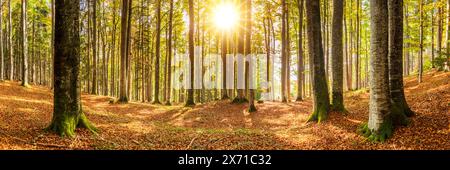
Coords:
240,98
300,69
52,43
380,126
169,56
2,65
123,96
33,56
190,91
400,107
24,44
421,41
447,67
157,52
10,43
337,57
320,88
94,46
283,51
68,114
288,55
251,98
224,63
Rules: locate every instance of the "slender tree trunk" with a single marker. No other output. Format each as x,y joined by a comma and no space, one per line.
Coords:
52,43
407,45
224,63
33,56
440,29
24,44
190,95
2,64
251,107
68,114
10,43
94,46
300,69
113,52
447,67
337,57
421,41
320,88
432,36
288,55
283,51
128,50
157,52
241,51
169,56
123,96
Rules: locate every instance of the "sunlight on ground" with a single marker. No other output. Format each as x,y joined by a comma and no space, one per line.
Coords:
18,99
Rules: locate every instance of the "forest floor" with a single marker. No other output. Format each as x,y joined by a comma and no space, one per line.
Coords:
25,112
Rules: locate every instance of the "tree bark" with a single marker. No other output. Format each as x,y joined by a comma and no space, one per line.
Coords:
320,88
190,92
68,114
300,69
251,106
123,96
283,51
10,43
169,55
24,44
421,40
240,98
337,57
157,52
380,126
400,108
2,64
94,46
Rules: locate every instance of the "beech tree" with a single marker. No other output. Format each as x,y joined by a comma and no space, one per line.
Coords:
320,87
68,113
337,57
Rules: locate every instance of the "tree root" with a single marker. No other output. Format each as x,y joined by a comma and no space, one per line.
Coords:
320,114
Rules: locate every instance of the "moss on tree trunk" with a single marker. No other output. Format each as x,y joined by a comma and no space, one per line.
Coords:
320,87
65,124
68,114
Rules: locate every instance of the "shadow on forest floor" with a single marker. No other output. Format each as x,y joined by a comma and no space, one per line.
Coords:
24,112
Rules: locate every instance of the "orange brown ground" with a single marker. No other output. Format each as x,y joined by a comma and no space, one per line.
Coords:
24,112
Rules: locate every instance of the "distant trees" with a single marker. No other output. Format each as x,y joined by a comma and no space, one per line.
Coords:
68,113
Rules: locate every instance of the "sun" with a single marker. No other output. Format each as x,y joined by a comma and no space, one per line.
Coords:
226,16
